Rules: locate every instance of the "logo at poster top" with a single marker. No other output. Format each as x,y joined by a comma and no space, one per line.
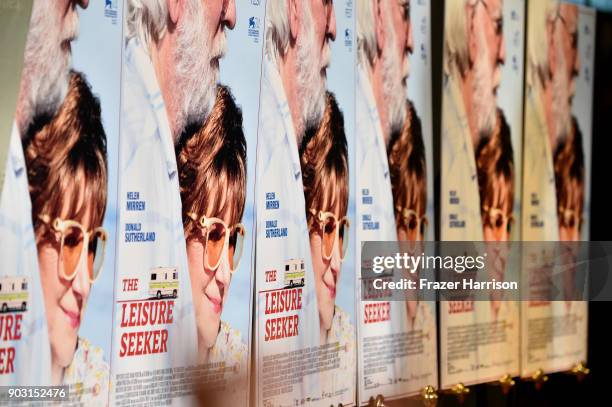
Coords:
253,29
348,39
110,10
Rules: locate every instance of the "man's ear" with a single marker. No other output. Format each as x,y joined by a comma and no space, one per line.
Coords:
175,10
379,25
294,19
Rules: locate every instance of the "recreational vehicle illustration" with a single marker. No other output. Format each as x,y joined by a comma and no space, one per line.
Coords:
13,294
163,282
294,273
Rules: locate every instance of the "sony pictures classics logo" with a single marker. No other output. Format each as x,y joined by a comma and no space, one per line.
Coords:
253,28
348,39
110,10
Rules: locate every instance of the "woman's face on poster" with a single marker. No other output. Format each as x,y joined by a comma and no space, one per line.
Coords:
412,225
497,222
570,219
65,300
497,219
209,286
326,272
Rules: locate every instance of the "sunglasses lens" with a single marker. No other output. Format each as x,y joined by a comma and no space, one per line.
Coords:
95,254
329,234
499,221
343,234
236,241
571,221
71,249
214,244
412,222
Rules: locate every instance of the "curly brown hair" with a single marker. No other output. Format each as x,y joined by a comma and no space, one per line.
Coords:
212,158
407,165
324,162
569,171
494,162
66,161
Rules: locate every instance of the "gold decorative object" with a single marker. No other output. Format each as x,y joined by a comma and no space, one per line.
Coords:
430,396
506,383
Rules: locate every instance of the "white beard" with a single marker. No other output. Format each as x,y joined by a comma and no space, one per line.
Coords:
561,98
196,75
311,84
46,69
484,102
394,81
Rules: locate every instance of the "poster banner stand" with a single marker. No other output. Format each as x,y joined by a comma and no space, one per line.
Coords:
459,390
506,382
538,378
580,370
379,401
429,395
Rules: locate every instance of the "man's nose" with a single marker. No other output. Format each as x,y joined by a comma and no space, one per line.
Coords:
229,14
331,22
83,3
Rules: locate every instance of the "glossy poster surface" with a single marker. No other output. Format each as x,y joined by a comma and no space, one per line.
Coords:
482,134
556,190
62,200
397,339
184,260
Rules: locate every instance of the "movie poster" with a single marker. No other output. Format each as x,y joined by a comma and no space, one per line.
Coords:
556,191
335,278
397,339
66,125
481,180
186,159
23,333
305,321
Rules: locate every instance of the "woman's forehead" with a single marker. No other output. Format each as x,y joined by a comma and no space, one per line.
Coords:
220,203
76,203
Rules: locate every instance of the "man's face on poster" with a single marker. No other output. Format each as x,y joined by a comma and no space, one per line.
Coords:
395,59
200,44
487,54
564,66
53,27
316,31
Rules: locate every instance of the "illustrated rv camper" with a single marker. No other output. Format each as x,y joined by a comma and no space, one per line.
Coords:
294,273
163,282
13,294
